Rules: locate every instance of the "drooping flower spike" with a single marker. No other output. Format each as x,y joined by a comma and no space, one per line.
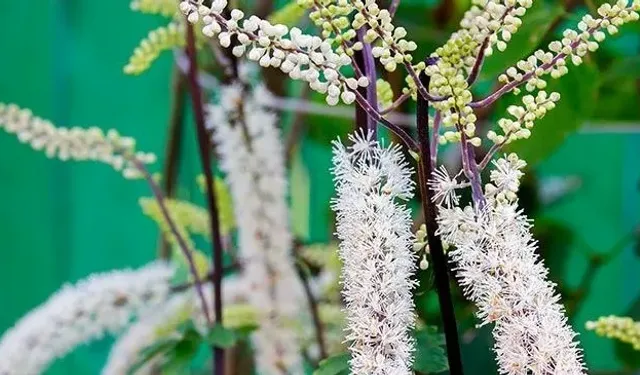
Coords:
76,314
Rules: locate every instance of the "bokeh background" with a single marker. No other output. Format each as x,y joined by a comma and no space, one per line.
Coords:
62,221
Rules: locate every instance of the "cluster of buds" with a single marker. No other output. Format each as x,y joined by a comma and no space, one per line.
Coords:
619,328
166,8
333,18
524,117
495,20
303,57
573,46
448,81
74,143
486,24
505,178
394,49
159,40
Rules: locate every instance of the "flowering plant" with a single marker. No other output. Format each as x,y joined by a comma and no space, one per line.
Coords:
473,228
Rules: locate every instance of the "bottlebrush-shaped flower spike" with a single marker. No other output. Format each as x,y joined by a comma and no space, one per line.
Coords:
376,249
499,269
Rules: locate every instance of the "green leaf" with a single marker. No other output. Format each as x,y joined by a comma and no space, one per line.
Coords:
160,347
221,337
579,90
430,356
334,365
535,24
178,360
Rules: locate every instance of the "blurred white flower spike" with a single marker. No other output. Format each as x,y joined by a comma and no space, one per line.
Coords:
374,229
252,156
76,314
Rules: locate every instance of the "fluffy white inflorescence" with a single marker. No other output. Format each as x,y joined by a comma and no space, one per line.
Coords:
302,56
73,143
376,249
499,269
79,313
252,156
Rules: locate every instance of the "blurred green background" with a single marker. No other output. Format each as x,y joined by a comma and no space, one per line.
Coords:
62,221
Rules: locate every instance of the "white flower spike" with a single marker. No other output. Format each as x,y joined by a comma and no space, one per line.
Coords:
76,314
376,249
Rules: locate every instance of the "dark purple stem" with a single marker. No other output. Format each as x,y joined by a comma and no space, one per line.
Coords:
477,66
369,65
476,184
470,168
513,84
214,219
404,136
440,267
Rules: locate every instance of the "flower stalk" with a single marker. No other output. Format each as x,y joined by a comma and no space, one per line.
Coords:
205,158
438,257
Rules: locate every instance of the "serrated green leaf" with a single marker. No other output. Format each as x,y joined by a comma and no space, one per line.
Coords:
221,337
430,356
535,24
334,365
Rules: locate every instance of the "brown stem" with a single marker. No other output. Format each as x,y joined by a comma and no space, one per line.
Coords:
214,217
157,193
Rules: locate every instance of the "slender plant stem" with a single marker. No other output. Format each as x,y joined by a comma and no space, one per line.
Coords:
436,250
159,196
515,83
477,65
403,135
365,58
208,279
315,313
214,216
173,146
